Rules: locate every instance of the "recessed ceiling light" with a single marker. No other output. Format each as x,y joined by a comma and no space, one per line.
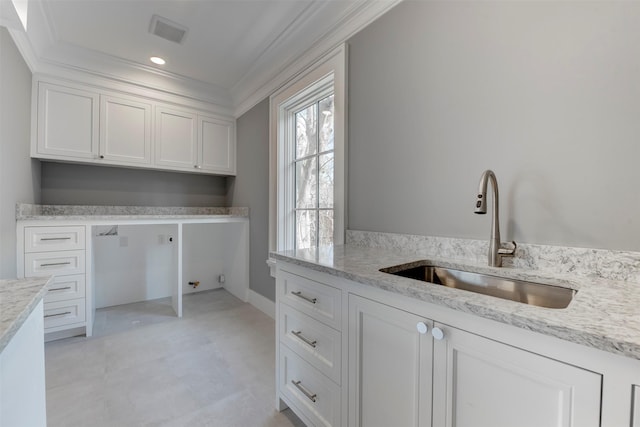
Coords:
157,60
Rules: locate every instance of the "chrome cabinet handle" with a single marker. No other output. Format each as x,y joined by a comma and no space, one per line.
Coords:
51,264
311,396
197,166
304,297
60,289
437,333
54,238
307,341
57,314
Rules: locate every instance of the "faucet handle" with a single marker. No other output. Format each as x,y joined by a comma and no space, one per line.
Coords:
503,252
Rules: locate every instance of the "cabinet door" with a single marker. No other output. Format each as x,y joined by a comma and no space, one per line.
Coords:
176,139
483,383
125,130
390,366
217,149
67,123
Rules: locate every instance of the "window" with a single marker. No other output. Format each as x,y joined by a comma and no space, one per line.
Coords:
307,204
313,164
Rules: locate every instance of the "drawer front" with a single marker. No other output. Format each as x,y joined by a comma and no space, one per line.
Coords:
64,288
308,390
47,239
320,301
64,313
315,342
53,263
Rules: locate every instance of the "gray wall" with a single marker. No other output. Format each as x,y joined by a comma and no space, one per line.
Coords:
251,188
66,184
547,94
19,175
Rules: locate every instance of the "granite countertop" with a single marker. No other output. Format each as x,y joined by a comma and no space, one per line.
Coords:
97,213
604,314
18,298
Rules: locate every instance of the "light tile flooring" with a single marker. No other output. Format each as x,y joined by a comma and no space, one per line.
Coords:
146,367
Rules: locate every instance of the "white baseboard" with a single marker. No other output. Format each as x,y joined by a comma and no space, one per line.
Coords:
263,304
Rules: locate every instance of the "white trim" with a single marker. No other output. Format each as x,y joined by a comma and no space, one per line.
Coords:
253,89
262,303
259,82
334,63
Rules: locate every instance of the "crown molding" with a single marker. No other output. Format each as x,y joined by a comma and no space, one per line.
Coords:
45,56
256,86
25,48
64,55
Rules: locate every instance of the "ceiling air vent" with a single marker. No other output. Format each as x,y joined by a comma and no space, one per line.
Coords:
168,30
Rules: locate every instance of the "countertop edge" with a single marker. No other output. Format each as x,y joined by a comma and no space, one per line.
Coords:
596,338
10,331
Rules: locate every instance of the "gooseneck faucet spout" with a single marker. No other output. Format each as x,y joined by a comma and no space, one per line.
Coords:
496,253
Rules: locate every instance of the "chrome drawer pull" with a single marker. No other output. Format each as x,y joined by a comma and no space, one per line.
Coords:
310,396
57,314
305,340
51,264
304,297
54,238
60,289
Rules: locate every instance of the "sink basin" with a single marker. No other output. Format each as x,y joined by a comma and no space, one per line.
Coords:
531,293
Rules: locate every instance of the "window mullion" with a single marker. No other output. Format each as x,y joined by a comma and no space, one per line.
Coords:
318,173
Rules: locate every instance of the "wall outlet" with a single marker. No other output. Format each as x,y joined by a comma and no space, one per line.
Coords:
221,278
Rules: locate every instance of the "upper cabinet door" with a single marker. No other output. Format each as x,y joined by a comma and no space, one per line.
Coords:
176,139
217,148
67,125
125,130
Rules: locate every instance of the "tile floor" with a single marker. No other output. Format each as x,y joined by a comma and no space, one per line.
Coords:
146,367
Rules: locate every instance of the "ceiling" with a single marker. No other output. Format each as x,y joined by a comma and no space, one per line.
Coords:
232,47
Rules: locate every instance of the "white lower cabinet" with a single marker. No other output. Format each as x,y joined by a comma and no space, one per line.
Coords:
410,363
22,375
309,350
479,382
313,394
59,252
389,366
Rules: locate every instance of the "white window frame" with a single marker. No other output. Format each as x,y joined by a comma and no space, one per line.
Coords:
329,70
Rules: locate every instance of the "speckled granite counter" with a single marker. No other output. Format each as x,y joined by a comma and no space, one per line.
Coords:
604,314
91,213
18,298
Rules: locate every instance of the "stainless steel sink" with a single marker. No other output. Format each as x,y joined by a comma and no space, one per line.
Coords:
537,294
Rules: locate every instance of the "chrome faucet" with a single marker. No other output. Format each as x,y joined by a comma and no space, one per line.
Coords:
496,253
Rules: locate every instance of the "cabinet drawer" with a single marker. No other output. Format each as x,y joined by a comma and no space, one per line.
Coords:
46,239
320,301
64,288
315,342
313,394
53,263
64,313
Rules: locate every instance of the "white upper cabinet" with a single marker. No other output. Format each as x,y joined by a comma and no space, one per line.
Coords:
188,141
217,148
125,132
85,124
67,123
176,139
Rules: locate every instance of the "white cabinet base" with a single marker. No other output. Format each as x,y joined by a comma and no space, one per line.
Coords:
22,377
